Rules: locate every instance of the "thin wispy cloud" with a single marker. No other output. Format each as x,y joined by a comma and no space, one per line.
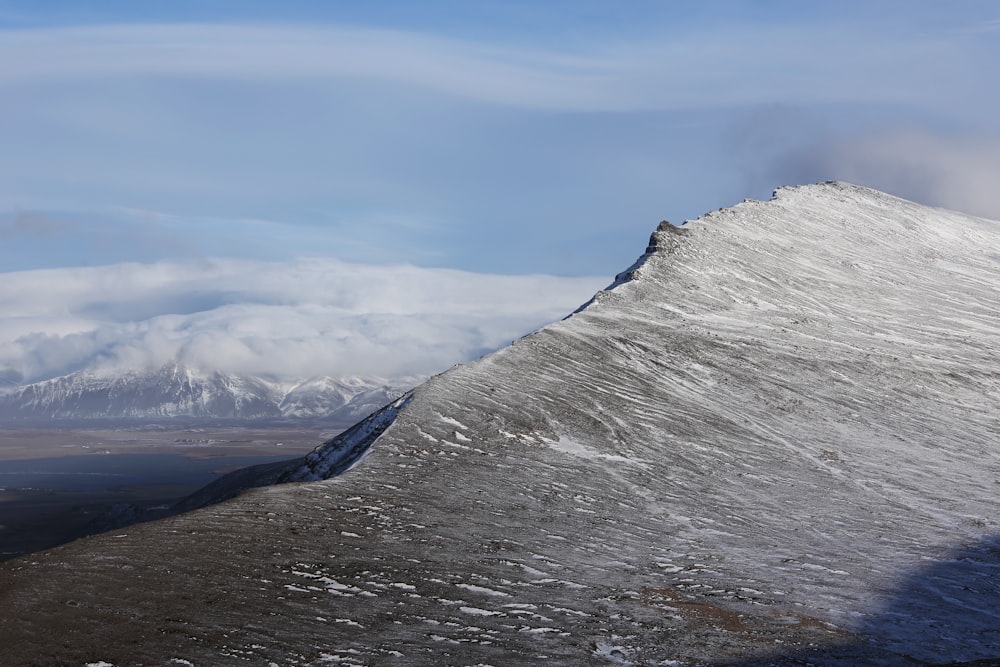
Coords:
731,65
549,141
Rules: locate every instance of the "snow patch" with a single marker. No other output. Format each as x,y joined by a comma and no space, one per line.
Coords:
454,422
483,590
582,451
476,611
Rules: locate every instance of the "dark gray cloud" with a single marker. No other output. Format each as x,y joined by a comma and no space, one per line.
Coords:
31,223
955,172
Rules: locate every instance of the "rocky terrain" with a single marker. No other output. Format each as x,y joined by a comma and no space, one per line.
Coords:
774,440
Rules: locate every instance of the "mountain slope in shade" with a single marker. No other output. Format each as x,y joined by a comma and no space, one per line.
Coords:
176,391
774,441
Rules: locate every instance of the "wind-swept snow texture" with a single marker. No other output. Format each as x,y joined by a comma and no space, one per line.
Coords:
774,441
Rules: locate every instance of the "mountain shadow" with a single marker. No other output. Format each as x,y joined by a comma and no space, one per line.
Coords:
945,613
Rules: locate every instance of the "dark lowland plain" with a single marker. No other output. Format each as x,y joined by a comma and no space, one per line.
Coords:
57,484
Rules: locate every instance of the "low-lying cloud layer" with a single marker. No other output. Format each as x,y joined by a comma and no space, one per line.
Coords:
289,320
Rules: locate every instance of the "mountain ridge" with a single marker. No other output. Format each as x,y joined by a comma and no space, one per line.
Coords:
175,391
773,442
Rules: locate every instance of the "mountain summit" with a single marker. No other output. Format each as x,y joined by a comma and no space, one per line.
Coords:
772,441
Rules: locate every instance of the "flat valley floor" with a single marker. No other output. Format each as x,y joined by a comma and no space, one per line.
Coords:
54,482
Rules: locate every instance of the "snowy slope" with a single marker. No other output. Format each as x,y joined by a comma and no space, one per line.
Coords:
773,441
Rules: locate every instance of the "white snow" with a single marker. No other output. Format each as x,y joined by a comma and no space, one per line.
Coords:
476,611
483,590
454,422
569,446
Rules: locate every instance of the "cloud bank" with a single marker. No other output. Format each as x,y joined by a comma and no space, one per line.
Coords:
293,320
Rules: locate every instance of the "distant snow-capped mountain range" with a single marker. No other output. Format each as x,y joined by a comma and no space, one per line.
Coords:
177,391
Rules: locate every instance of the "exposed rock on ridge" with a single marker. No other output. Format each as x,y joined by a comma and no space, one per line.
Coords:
775,442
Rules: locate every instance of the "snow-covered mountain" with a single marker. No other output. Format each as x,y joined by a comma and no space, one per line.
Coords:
345,399
774,440
176,391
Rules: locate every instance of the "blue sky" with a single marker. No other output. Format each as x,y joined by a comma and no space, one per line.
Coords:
497,137
488,136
